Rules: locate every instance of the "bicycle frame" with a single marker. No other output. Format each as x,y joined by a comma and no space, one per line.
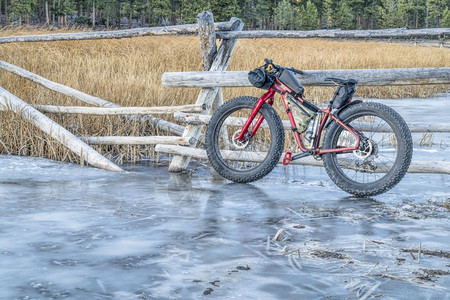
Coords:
279,87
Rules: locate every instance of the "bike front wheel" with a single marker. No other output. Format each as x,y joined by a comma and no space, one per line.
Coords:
252,158
384,155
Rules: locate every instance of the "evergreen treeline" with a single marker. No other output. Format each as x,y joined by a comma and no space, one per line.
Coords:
257,14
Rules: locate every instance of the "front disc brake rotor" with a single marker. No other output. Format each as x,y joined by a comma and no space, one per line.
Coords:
238,143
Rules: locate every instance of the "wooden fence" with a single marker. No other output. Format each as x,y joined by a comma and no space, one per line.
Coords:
214,76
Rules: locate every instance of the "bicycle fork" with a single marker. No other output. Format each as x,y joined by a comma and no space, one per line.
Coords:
267,97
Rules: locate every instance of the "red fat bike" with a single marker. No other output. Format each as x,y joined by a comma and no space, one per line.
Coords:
366,148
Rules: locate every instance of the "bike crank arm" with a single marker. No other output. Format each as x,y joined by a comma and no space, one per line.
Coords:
288,157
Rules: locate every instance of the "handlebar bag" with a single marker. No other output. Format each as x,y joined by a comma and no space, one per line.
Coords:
260,79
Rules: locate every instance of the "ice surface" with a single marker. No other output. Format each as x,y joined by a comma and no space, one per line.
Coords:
81,233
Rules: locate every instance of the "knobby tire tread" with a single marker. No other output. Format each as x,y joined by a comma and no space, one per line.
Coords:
274,155
400,167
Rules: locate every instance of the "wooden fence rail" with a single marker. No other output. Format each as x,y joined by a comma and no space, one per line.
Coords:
190,29
198,119
365,77
415,167
108,111
335,33
225,32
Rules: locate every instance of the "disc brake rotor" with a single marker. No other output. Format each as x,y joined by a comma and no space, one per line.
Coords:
238,144
369,148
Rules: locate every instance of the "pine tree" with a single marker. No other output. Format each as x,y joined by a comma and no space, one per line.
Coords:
19,9
309,16
390,16
161,11
287,15
344,16
446,18
330,8
263,13
223,10
435,10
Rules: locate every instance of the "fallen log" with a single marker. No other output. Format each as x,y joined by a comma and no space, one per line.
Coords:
440,167
50,127
365,77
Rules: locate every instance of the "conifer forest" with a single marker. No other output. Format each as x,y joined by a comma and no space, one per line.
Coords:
257,14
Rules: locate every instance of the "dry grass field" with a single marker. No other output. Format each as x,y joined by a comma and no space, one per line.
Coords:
128,72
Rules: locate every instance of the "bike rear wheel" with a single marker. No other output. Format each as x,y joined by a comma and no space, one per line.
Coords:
249,160
385,152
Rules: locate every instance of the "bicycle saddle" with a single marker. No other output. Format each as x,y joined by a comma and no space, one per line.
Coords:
340,81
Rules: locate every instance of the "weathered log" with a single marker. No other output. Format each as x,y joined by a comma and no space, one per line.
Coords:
189,29
136,140
96,101
198,119
441,167
335,33
208,95
206,33
365,77
85,110
50,127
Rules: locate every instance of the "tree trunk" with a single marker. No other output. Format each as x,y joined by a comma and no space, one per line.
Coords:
142,18
130,18
6,12
93,14
47,20
87,13
53,13
40,11
119,15
149,15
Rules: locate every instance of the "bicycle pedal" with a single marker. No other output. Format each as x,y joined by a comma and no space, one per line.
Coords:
287,158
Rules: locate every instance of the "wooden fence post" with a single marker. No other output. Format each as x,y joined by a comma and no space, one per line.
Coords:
208,95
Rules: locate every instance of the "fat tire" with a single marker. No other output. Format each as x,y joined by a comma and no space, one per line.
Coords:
275,150
400,166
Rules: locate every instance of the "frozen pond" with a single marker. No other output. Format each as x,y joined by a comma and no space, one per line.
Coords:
83,233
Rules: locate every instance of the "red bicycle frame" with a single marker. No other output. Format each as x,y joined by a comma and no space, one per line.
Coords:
279,87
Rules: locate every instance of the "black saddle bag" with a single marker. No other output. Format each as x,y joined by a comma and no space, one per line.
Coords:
343,95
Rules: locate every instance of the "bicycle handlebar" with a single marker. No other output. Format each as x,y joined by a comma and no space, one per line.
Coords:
279,68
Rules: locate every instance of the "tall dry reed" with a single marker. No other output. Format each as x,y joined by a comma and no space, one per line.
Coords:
128,72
